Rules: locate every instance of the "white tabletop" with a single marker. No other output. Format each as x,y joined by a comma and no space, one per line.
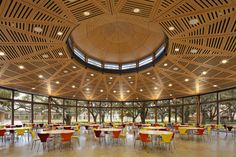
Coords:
191,128
154,127
15,128
57,131
108,129
152,132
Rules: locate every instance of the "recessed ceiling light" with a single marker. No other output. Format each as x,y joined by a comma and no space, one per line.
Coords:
177,49
137,98
92,74
40,76
114,91
131,82
60,53
129,77
57,82
59,33
155,88
21,67
136,10
45,56
148,73
153,78
128,91
193,50
38,29
74,67
175,68
101,90
204,73
186,80
165,64
215,85
171,95
170,85
193,21
65,71
106,98
87,79
109,82
224,61
2,53
87,89
171,28
73,95
141,90
33,88
86,13
73,86
110,78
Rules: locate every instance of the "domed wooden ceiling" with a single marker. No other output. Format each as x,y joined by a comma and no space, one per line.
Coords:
201,52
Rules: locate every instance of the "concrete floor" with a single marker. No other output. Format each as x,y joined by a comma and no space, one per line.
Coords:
220,146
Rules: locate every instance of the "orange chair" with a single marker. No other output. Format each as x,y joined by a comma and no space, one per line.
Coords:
144,138
66,139
116,135
2,135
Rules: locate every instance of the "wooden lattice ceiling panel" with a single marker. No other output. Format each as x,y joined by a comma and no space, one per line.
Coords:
35,58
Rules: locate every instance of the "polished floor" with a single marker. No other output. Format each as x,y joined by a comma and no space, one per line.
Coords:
221,146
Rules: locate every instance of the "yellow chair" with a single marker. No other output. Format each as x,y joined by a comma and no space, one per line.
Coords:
76,136
20,132
123,135
167,139
34,139
182,131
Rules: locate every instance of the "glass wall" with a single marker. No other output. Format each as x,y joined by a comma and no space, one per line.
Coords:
212,108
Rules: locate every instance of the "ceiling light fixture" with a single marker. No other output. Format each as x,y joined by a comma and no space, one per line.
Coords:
215,85
153,78
171,95
21,67
204,73
45,56
193,50
170,85
40,76
114,91
224,61
101,90
87,89
193,21
65,71
2,53
33,88
129,77
136,10
73,86
92,74
60,53
59,33
38,29
165,64
177,49
86,13
186,80
110,78
141,90
128,91
148,73
74,67
57,82
175,68
171,28
155,88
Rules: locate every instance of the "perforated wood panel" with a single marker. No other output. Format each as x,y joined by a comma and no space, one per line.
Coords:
34,56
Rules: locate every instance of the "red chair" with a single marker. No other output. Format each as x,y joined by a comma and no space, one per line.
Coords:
95,126
116,135
97,134
2,135
66,139
44,139
67,128
200,131
144,138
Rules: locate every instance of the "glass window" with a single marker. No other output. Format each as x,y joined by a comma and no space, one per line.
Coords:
227,112
5,112
4,93
79,54
160,51
57,101
209,113
105,112
71,111
82,114
228,94
145,61
128,66
111,66
208,97
57,114
22,96
22,113
94,62
190,114
40,113
116,112
189,100
40,99
70,102
162,114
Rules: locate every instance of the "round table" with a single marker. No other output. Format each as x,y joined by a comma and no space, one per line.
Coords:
55,132
108,129
154,128
155,132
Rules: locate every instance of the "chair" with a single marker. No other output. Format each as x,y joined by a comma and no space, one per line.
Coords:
44,139
182,131
166,139
116,135
144,138
97,134
229,129
34,139
20,132
67,127
66,139
123,135
2,135
76,137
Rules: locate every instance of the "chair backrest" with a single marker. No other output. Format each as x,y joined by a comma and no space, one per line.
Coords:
67,127
33,134
166,138
2,132
66,137
97,133
143,137
116,134
209,130
200,131
182,131
230,128
43,137
20,131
